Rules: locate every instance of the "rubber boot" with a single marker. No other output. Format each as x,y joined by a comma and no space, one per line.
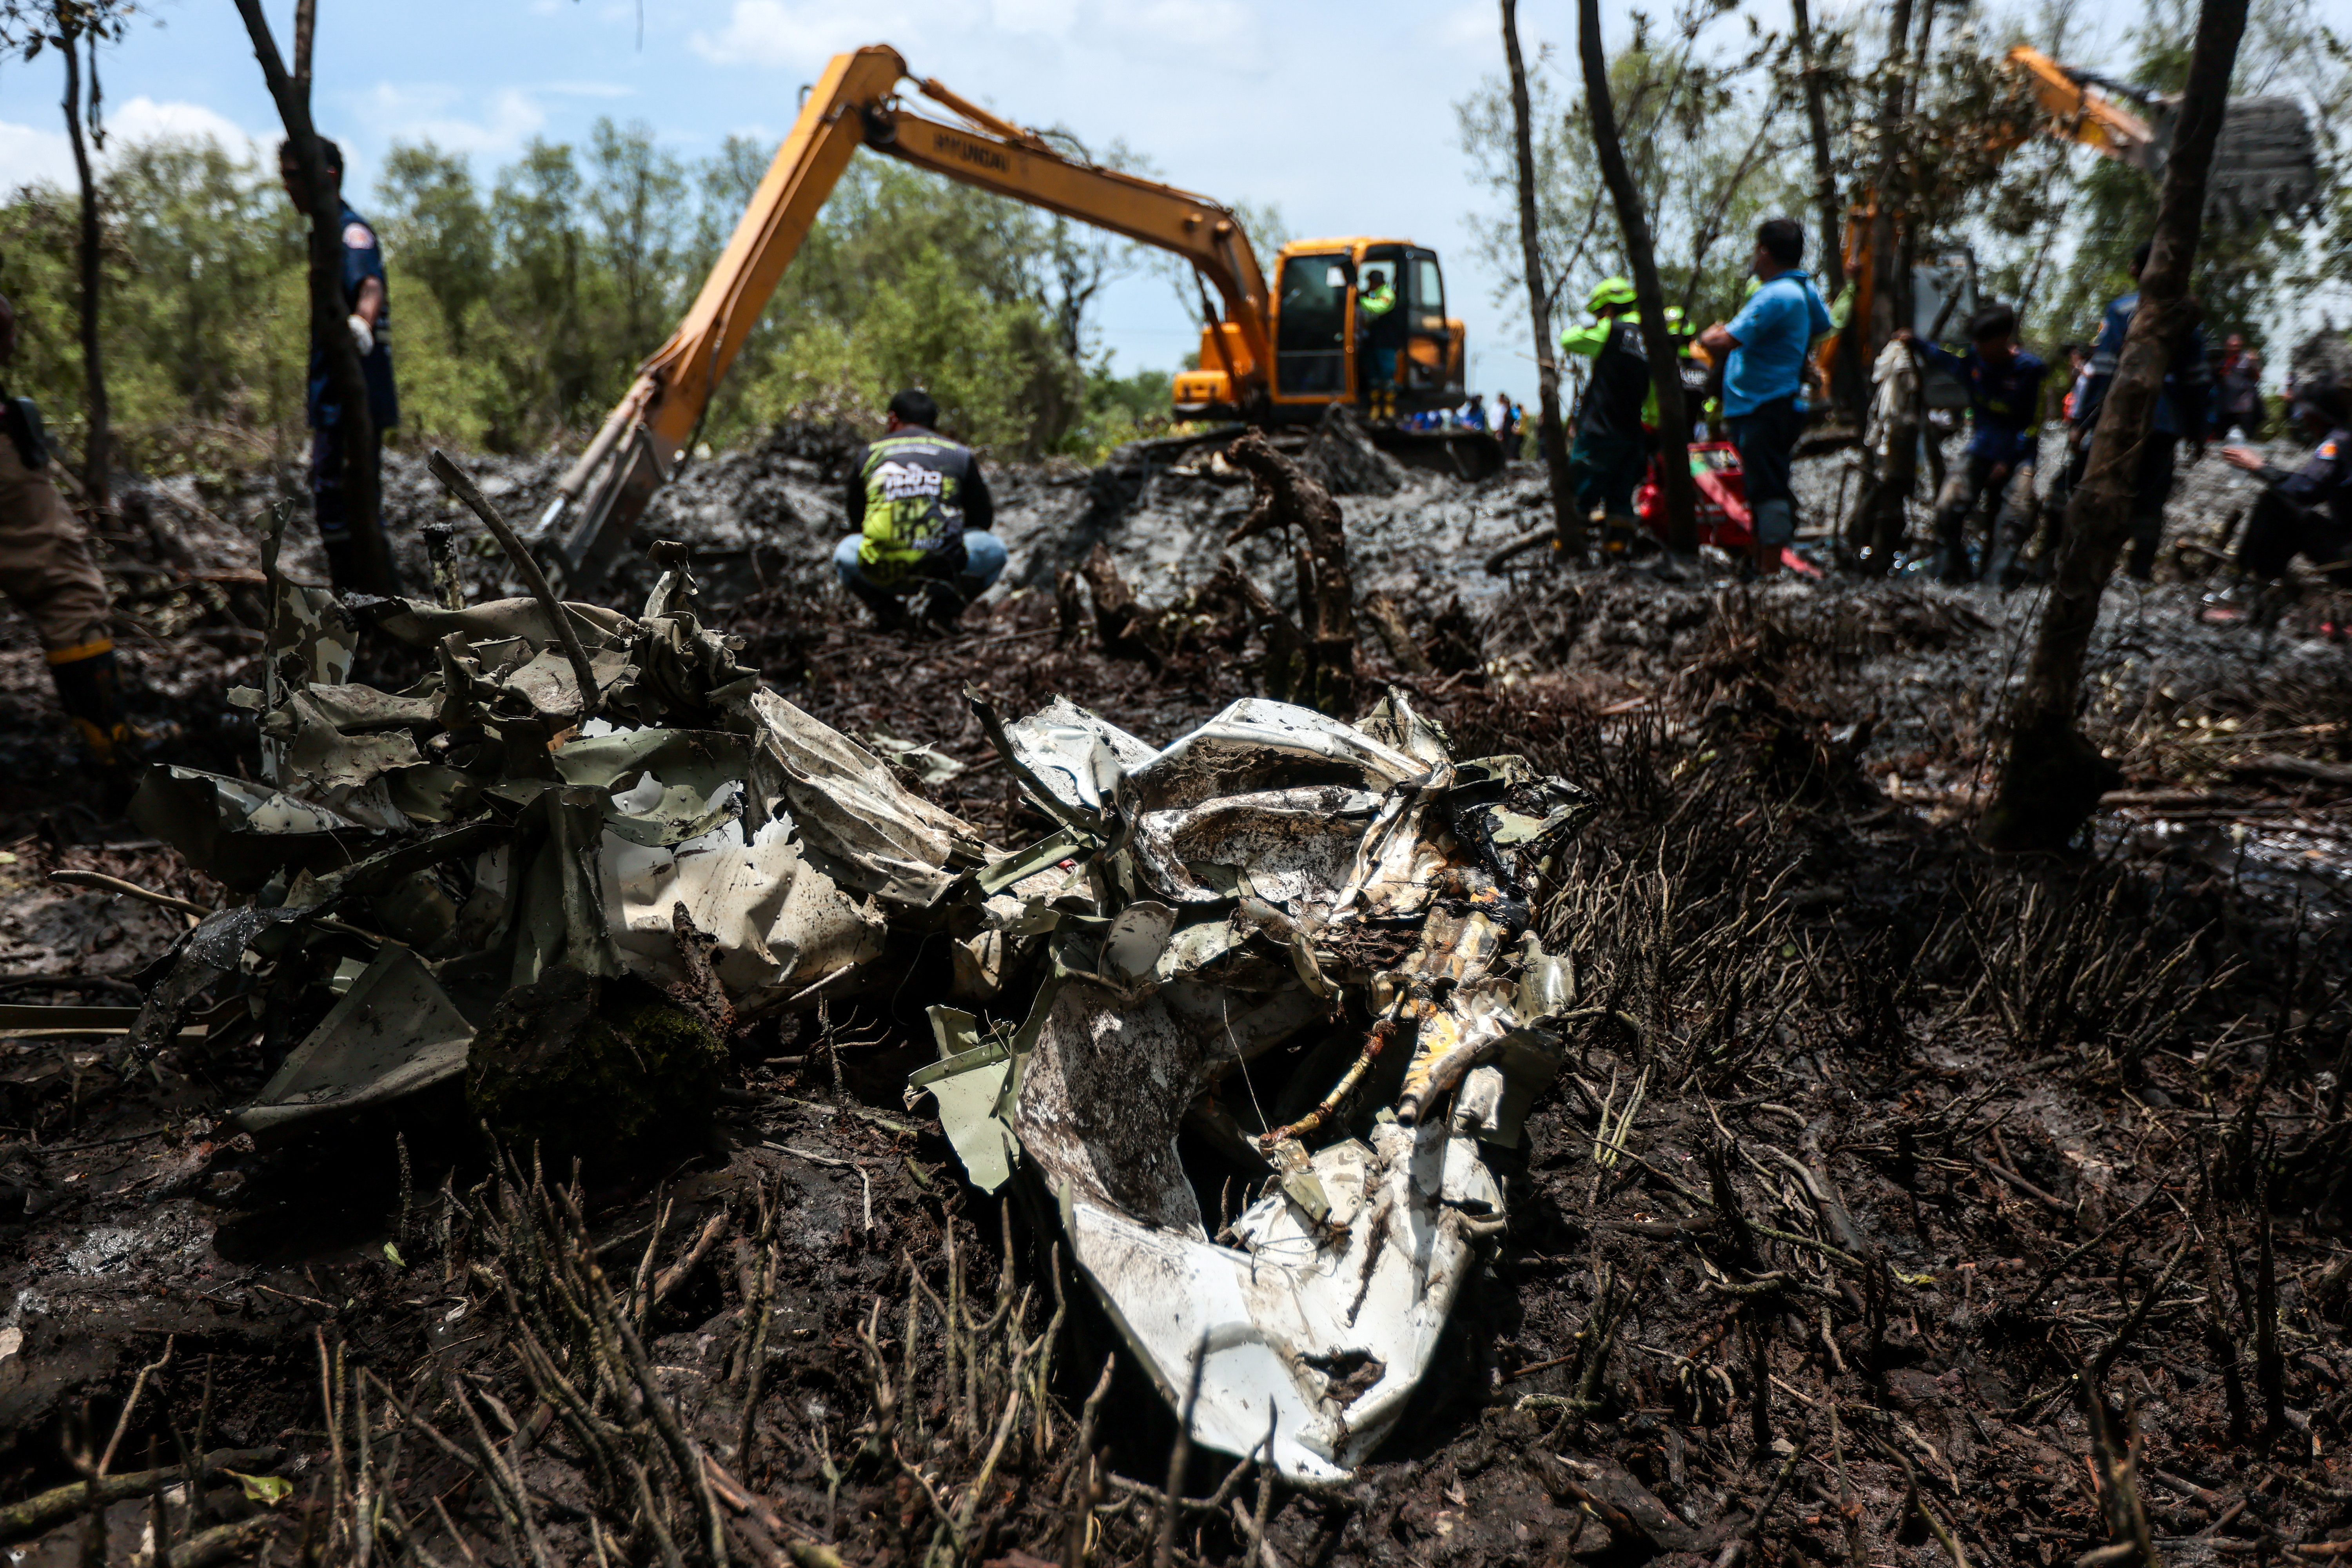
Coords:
2000,567
343,575
89,689
1775,523
1952,565
346,567
2146,534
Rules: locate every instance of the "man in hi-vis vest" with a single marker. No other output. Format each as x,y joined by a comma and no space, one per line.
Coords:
922,511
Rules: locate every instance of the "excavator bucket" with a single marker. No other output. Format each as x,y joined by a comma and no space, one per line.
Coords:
2266,163
1458,453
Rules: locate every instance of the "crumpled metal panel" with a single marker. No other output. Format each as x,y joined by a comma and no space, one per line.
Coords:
871,833
1283,1322
782,925
395,1032
478,820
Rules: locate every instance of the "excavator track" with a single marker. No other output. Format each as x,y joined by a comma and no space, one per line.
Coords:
1457,453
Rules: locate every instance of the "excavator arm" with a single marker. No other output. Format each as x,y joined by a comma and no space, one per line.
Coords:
2071,110
855,104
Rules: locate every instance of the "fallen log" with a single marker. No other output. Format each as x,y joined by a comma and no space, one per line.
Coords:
46,1511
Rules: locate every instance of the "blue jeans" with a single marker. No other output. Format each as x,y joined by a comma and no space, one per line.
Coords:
983,562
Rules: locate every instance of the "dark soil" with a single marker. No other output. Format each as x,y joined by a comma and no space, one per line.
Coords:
1932,1160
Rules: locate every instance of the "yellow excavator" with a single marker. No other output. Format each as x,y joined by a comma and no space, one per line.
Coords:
1270,357
2263,163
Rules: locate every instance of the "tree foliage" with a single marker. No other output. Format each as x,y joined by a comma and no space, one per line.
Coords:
524,301
1715,129
1714,144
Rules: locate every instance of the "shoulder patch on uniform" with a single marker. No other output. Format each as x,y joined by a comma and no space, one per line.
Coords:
358,236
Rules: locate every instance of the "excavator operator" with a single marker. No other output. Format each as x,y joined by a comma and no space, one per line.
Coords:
1377,319
923,511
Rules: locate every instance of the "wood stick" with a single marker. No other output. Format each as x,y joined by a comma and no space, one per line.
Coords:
103,883
45,1511
466,490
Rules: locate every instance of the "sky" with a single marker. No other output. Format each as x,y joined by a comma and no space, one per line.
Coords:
1342,117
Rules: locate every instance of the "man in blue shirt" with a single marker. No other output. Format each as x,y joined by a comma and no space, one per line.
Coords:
2180,416
369,320
2004,386
1762,376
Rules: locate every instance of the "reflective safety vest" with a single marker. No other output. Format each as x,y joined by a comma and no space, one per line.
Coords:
1377,301
914,483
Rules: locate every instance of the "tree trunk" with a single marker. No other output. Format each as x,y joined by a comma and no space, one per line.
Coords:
355,421
1675,486
1848,390
1825,193
2053,777
1889,278
1552,432
97,456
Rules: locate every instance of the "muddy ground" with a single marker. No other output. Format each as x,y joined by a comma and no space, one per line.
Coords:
1878,1153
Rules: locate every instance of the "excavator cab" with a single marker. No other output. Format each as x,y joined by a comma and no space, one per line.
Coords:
1329,347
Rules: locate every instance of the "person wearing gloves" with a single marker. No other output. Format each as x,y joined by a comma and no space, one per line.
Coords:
1762,351
368,319
2307,510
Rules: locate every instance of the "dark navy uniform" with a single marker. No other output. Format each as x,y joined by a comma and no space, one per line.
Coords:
2004,407
362,259
2306,512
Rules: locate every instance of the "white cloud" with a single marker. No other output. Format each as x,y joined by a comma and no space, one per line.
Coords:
1221,26
803,33
144,120
494,126
32,152
31,155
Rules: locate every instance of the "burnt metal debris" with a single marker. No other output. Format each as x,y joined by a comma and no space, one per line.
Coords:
584,845
1271,872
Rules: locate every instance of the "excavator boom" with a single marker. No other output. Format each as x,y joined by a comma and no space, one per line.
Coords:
855,104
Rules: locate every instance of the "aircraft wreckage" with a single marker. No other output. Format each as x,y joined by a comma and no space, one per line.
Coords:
1302,943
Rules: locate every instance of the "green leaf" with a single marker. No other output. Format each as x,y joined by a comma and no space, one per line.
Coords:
266,1490
391,1255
